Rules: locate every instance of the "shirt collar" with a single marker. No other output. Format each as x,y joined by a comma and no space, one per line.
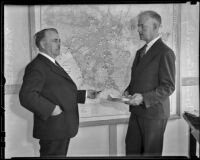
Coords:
47,56
152,42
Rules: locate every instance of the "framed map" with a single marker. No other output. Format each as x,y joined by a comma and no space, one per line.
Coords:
98,46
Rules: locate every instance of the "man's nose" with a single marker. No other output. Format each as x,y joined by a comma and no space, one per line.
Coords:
58,45
59,42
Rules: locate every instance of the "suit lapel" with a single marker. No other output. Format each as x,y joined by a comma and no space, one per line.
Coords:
150,54
55,68
136,61
61,72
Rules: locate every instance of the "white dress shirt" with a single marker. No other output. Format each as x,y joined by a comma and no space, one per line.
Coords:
47,56
151,43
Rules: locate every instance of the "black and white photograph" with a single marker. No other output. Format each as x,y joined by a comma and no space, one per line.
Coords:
101,80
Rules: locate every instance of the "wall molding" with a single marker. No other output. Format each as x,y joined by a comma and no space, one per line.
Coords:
109,122
116,121
190,81
12,89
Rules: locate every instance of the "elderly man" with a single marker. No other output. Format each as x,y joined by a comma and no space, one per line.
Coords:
152,82
52,96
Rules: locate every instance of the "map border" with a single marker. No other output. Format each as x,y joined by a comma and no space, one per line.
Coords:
35,25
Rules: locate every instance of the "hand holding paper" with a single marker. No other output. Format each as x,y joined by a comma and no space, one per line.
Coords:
136,99
114,98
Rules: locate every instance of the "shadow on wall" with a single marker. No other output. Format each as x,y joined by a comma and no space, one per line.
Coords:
20,124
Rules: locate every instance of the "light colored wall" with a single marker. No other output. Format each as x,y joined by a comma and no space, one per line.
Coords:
18,128
18,121
17,49
90,141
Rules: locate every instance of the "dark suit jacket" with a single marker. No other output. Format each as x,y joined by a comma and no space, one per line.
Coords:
44,86
154,78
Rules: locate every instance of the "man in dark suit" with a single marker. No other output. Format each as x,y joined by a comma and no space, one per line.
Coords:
52,96
152,82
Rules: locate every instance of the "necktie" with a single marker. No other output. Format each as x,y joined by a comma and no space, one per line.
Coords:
57,64
142,53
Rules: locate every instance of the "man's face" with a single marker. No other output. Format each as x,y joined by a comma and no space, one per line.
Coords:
146,28
52,43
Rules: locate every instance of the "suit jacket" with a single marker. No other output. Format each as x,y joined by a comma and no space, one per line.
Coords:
44,86
153,76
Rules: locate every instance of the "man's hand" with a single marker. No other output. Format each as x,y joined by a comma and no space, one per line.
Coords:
125,94
136,99
57,110
92,94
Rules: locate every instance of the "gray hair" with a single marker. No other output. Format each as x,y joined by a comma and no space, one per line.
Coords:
41,34
152,14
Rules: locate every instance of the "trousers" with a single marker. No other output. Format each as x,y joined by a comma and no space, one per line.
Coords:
54,148
145,136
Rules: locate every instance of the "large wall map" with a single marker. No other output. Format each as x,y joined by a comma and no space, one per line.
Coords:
99,42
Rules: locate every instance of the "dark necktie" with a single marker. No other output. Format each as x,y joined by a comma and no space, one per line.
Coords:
58,65
142,53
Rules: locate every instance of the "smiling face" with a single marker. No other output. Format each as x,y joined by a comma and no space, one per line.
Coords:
147,28
51,43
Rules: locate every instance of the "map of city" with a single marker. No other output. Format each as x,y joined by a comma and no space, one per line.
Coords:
98,43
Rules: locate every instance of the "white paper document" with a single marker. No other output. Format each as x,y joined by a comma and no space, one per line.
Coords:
114,98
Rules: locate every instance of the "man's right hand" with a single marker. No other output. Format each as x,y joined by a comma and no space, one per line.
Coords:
57,110
125,94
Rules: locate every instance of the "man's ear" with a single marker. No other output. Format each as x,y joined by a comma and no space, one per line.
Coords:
42,44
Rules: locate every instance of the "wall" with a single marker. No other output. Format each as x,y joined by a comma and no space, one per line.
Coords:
17,50
18,121
90,140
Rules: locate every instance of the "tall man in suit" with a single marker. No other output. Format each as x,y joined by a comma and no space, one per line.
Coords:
152,82
52,96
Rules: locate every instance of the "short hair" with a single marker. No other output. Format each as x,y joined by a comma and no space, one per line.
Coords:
41,34
152,14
